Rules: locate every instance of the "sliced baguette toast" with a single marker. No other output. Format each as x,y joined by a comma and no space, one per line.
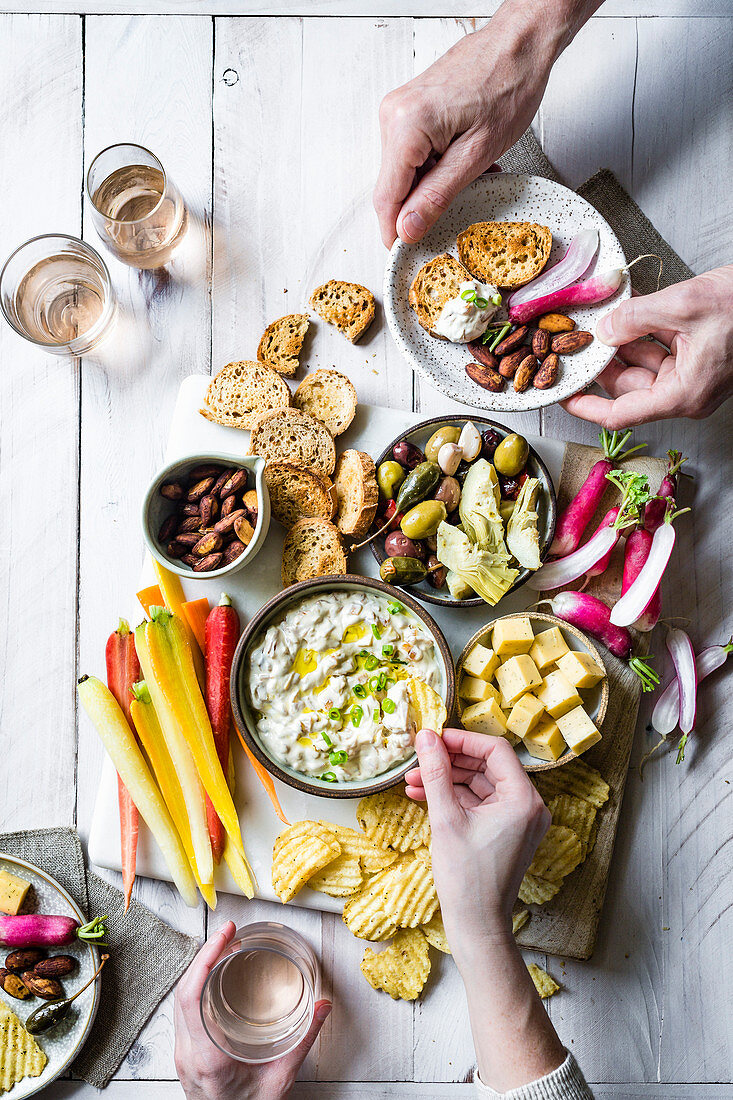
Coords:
330,397
241,392
281,342
348,306
436,283
356,493
289,435
312,549
507,254
296,493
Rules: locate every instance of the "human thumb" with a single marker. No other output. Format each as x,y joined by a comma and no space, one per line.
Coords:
435,772
321,1013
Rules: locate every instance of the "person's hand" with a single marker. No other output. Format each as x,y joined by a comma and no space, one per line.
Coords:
486,820
206,1073
690,375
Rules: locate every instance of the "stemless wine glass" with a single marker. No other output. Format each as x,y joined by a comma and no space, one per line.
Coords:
259,999
137,210
55,291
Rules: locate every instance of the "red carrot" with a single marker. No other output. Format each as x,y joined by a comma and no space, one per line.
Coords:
221,636
123,670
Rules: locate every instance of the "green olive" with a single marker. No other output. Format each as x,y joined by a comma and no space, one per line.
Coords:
448,434
510,457
390,476
424,519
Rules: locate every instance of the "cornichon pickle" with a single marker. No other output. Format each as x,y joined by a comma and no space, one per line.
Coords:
402,571
418,483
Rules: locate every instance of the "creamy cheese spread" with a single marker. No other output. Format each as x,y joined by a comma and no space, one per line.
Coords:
461,320
328,684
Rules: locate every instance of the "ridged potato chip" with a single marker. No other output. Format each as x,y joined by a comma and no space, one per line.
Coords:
339,879
558,853
434,932
537,891
356,846
20,1054
402,896
427,709
576,814
543,983
392,820
576,778
298,853
402,968
519,919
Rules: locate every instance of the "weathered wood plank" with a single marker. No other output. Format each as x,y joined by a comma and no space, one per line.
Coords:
159,93
343,8
39,428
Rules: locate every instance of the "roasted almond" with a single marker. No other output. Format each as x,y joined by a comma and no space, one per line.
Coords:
18,961
205,565
13,985
209,509
172,490
512,341
233,484
48,988
58,966
233,551
556,322
209,544
188,539
205,470
168,528
250,502
485,377
525,373
200,489
244,530
190,508
190,559
481,354
541,341
190,523
216,490
226,523
228,505
565,343
509,363
547,374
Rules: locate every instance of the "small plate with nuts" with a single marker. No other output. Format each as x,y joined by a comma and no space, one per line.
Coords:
29,978
524,370
207,515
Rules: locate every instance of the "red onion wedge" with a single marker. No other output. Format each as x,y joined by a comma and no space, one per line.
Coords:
636,599
569,269
666,713
596,289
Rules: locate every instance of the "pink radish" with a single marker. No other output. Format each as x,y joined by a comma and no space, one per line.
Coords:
580,511
593,616
655,509
596,289
666,713
683,658
569,269
635,600
638,545
35,930
562,571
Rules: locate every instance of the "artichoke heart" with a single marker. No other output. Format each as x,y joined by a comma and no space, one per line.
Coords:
479,510
487,573
522,535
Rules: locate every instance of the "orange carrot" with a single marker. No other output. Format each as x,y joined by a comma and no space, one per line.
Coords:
123,670
150,597
196,613
265,779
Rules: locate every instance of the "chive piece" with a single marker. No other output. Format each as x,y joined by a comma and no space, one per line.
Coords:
356,715
334,714
376,631
496,300
499,336
382,681
374,683
387,650
339,757
329,777
371,663
394,608
359,691
388,706
481,303
327,739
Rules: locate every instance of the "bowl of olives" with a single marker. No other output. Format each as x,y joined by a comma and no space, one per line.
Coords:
421,476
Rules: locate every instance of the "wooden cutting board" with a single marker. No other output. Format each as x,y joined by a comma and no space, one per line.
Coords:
568,924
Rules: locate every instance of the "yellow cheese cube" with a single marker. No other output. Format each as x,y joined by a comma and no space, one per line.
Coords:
578,730
525,714
481,662
13,891
557,694
581,669
477,691
548,647
545,740
512,636
486,717
515,676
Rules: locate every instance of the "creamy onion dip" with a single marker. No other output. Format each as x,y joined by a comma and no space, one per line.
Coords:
327,683
461,320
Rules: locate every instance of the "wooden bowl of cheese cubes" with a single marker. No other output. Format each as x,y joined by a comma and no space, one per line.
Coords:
537,681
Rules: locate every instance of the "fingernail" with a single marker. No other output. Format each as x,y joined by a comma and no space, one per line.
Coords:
323,1011
426,739
413,226
604,330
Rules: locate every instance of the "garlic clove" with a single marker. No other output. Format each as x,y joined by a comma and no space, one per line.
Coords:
449,458
469,441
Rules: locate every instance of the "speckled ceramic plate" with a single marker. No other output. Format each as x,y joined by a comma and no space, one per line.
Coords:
62,1044
502,197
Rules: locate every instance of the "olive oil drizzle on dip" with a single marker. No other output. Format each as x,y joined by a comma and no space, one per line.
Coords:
328,684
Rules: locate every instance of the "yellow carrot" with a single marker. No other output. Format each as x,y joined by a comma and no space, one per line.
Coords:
240,870
172,589
173,670
124,751
182,759
152,740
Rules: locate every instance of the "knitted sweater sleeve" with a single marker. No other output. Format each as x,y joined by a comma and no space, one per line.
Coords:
564,1083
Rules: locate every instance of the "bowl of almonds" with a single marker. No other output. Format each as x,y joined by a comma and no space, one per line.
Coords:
208,514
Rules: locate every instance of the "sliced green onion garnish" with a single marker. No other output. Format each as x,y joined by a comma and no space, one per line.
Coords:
468,295
389,682
394,608
388,706
339,757
481,303
359,691
329,777
327,739
371,663
334,714
356,715
376,631
387,650
496,300
374,683
382,680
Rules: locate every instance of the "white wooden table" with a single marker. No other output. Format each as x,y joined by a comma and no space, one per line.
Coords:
268,122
